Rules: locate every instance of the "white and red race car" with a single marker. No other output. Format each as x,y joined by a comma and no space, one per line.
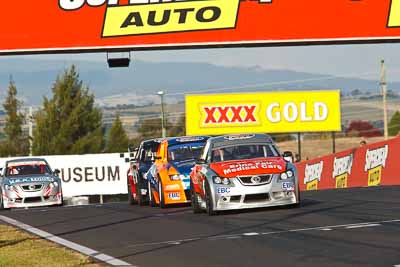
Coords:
243,171
29,182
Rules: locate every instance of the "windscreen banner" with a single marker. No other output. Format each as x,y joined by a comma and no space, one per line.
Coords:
370,165
106,25
274,112
91,174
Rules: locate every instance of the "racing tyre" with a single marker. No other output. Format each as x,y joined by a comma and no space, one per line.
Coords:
62,199
296,205
1,201
152,203
195,204
141,201
131,200
209,201
161,194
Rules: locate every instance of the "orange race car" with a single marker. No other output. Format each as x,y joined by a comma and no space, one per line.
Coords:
168,178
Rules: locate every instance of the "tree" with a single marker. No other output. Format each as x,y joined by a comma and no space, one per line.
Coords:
16,143
68,123
394,124
117,138
361,128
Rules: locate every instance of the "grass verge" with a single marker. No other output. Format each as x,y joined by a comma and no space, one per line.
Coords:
18,248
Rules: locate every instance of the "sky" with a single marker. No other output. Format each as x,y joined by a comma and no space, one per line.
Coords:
361,61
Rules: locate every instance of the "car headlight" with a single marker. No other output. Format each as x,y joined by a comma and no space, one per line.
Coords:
287,174
9,187
219,180
177,177
55,184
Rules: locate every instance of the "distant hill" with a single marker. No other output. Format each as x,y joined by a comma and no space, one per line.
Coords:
34,78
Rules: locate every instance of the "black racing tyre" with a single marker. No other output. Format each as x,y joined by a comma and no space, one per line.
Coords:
131,199
209,201
1,200
139,197
296,205
62,198
152,203
161,194
195,204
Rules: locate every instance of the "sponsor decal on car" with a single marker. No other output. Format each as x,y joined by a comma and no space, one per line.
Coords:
287,186
30,180
171,187
342,169
313,174
189,139
223,190
375,161
174,196
246,166
239,137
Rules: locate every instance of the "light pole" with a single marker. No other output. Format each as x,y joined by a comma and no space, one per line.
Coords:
384,92
163,130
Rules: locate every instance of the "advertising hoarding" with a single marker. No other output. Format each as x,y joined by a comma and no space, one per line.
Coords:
274,112
91,174
103,25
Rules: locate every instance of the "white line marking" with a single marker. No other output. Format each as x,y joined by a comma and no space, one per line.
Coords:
363,225
250,234
242,235
74,246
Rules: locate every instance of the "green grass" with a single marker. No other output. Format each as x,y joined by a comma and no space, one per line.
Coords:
18,248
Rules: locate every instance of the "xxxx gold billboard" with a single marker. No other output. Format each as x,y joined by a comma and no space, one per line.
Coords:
277,112
103,25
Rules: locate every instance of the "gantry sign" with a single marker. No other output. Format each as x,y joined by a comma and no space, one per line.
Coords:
102,25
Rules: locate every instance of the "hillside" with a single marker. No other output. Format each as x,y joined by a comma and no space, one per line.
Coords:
138,83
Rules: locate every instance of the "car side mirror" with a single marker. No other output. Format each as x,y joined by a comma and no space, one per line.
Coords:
288,156
57,172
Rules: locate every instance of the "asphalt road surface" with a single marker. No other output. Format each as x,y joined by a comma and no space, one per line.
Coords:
350,227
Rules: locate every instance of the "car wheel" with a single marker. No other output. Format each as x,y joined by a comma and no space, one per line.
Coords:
139,197
209,201
62,198
152,203
195,204
131,199
161,194
296,205
1,200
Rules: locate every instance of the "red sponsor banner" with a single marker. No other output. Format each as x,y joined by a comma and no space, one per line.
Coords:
101,25
370,165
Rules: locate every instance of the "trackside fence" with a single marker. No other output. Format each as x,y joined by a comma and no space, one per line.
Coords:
369,165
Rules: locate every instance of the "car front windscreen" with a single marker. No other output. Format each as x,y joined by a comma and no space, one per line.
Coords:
186,151
27,169
243,151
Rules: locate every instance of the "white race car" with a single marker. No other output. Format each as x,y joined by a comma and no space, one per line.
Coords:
29,182
243,171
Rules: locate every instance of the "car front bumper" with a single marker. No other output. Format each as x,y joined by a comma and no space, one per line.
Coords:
238,196
19,198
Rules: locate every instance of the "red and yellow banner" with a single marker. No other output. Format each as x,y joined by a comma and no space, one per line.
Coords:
100,25
371,165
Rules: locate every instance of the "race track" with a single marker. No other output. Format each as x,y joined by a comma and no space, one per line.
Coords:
350,227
